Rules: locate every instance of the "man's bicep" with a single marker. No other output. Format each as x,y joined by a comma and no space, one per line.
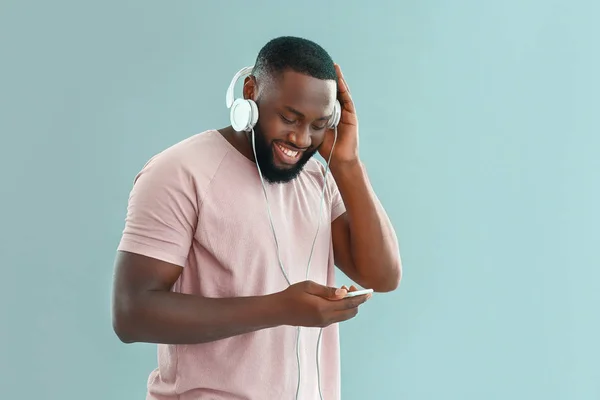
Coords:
340,231
136,273
342,247
135,278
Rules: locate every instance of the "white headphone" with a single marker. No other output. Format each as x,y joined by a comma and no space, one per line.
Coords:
244,113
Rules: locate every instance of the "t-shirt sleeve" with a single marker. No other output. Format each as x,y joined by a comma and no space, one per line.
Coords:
162,212
337,204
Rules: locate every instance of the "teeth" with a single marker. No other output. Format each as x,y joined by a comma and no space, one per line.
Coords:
288,152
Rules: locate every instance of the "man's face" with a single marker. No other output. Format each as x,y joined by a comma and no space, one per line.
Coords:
293,111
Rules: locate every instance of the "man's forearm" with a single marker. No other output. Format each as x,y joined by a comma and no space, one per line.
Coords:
375,250
175,318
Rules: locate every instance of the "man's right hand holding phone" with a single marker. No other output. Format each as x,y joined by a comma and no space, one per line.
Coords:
312,305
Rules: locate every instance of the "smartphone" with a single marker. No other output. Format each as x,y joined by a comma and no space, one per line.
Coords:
358,293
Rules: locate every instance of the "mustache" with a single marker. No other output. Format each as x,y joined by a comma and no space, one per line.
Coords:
293,146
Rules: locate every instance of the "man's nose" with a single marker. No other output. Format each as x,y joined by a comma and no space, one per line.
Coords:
300,137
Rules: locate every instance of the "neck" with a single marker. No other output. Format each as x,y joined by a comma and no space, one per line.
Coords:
242,141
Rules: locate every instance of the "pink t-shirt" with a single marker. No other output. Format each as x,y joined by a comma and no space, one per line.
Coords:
200,204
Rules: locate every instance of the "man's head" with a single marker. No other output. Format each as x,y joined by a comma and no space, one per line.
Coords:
294,84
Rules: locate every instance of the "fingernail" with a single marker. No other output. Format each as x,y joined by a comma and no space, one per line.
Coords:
340,292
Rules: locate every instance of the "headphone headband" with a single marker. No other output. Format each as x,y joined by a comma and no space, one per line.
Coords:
236,77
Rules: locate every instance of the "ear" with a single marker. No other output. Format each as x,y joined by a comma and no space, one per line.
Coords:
250,89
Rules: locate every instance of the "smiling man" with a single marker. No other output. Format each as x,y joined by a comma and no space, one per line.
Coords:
213,263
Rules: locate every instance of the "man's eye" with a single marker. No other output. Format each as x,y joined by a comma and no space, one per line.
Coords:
287,121
319,128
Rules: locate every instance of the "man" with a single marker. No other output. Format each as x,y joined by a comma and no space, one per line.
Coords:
198,268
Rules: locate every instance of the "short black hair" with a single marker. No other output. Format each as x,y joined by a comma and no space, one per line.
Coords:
296,54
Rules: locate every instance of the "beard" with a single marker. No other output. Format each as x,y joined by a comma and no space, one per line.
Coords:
266,159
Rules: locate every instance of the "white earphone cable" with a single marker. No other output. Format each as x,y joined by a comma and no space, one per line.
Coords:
269,211
325,188
318,353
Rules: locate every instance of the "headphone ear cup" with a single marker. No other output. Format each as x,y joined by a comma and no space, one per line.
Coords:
337,114
254,115
243,115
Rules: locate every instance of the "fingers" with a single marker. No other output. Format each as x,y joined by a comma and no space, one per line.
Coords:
344,91
346,314
351,302
324,291
342,84
342,291
342,309
349,308
347,311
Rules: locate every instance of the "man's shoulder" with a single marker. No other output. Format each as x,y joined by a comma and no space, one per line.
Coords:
193,160
198,153
197,147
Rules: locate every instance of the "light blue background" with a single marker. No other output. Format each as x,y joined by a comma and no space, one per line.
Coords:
480,125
